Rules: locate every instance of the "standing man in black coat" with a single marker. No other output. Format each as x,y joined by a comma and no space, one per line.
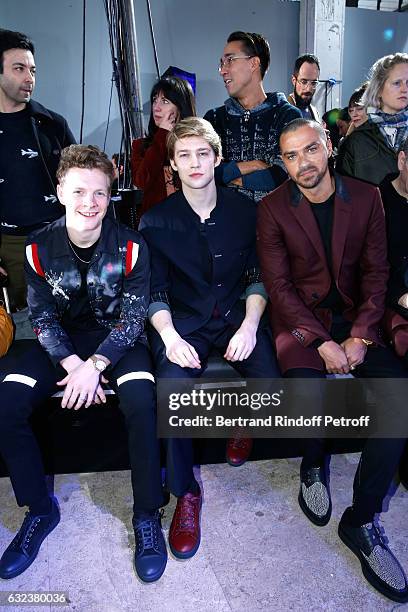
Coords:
31,140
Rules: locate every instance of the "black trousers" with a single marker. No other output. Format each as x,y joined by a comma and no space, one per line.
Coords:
29,380
216,334
380,457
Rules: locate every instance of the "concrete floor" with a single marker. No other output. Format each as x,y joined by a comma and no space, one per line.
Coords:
258,551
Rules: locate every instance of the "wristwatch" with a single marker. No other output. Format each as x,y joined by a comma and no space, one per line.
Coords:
99,364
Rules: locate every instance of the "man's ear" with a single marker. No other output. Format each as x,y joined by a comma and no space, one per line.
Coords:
173,165
293,79
256,62
60,194
218,160
402,159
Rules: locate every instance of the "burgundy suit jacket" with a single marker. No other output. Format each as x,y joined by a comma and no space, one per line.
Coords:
396,327
296,275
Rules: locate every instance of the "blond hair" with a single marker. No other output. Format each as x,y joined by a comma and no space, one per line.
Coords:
379,73
194,126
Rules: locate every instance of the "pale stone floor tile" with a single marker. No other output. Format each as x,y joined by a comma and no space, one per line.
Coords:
258,551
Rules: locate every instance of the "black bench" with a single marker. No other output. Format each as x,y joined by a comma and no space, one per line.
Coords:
95,439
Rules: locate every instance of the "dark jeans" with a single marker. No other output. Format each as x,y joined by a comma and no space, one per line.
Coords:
216,334
380,457
18,399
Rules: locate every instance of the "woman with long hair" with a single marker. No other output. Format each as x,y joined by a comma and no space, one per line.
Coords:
171,99
370,151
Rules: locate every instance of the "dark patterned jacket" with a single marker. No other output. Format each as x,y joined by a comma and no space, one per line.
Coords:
252,134
118,283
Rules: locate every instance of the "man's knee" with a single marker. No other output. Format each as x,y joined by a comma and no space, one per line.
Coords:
16,399
262,363
136,393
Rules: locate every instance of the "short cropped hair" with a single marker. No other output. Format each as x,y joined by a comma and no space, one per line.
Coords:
378,75
296,124
254,44
194,126
306,57
13,40
89,157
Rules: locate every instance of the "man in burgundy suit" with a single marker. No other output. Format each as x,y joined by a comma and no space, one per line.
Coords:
322,249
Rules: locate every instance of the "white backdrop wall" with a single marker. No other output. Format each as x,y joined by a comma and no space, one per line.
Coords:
56,29
369,35
189,34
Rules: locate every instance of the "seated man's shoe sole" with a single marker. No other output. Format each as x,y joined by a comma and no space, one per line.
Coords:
369,574
151,553
238,451
18,556
316,486
185,526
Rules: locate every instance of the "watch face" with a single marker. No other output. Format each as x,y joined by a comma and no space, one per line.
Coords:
100,365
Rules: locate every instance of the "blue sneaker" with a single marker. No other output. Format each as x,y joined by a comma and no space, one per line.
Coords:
151,551
24,548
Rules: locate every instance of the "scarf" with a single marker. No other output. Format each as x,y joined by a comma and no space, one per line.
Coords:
394,128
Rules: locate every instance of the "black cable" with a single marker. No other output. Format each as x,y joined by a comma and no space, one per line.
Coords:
123,155
117,33
83,72
109,112
156,59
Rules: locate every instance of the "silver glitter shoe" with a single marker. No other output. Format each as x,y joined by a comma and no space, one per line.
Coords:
314,495
378,564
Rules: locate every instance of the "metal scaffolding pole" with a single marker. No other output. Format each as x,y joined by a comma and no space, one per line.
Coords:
122,34
131,68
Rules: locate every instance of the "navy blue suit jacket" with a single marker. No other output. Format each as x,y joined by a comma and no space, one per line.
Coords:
197,269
